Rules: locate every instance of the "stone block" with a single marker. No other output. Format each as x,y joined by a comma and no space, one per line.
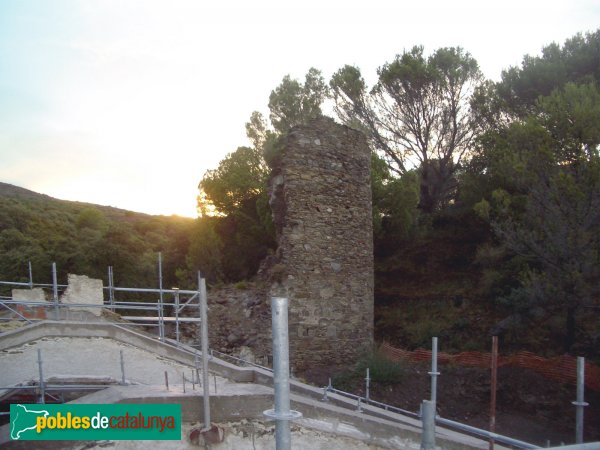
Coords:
84,290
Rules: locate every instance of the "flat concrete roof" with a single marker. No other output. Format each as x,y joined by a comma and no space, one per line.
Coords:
76,349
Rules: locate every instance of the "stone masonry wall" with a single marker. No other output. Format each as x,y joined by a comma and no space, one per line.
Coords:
321,203
30,295
84,290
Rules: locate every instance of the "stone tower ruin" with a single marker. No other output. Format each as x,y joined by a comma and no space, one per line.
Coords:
321,203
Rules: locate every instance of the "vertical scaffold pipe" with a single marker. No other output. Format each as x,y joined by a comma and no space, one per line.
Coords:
176,294
55,291
580,402
42,383
493,389
434,370
199,328
30,276
122,369
161,315
428,420
367,386
111,290
281,375
204,333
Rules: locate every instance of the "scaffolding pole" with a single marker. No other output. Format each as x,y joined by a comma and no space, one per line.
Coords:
204,335
281,375
122,368
434,370
55,290
30,276
176,315
580,403
42,385
428,421
161,324
111,287
493,389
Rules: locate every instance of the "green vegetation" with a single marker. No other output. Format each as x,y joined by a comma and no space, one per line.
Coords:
381,370
486,202
86,239
417,115
485,194
235,220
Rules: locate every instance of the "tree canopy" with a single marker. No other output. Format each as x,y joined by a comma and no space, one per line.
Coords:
418,115
241,232
541,167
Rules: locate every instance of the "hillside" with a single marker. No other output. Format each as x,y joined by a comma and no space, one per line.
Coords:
86,238
443,283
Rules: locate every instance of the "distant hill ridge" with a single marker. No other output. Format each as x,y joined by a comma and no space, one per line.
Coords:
86,238
8,190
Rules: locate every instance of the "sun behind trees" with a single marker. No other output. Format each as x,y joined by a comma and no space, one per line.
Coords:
235,220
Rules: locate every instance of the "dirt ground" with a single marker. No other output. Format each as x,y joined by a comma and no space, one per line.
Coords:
529,407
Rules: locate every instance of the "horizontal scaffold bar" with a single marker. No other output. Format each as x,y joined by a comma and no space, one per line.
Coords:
156,319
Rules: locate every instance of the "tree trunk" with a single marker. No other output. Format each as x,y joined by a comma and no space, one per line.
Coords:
438,185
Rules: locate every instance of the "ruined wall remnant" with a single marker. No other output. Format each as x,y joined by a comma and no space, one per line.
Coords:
81,290
84,290
321,203
30,295
240,319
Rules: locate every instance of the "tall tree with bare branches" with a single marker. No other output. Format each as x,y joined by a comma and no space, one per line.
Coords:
417,115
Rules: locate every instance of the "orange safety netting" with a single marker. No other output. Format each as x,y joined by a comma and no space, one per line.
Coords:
562,368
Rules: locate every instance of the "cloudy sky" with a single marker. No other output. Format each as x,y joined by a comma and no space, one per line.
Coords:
128,102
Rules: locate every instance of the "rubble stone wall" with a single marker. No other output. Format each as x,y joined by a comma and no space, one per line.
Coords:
84,290
321,203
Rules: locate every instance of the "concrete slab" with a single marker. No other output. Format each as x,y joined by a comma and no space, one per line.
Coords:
84,349
67,357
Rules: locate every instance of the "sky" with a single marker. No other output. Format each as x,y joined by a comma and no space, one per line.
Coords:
127,103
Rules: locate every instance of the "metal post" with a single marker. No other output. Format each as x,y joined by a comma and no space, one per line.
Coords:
196,366
167,380
42,384
580,403
122,368
199,329
434,370
161,323
326,389
325,398
176,314
281,375
204,333
55,290
428,420
494,388
183,378
111,292
30,276
368,382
